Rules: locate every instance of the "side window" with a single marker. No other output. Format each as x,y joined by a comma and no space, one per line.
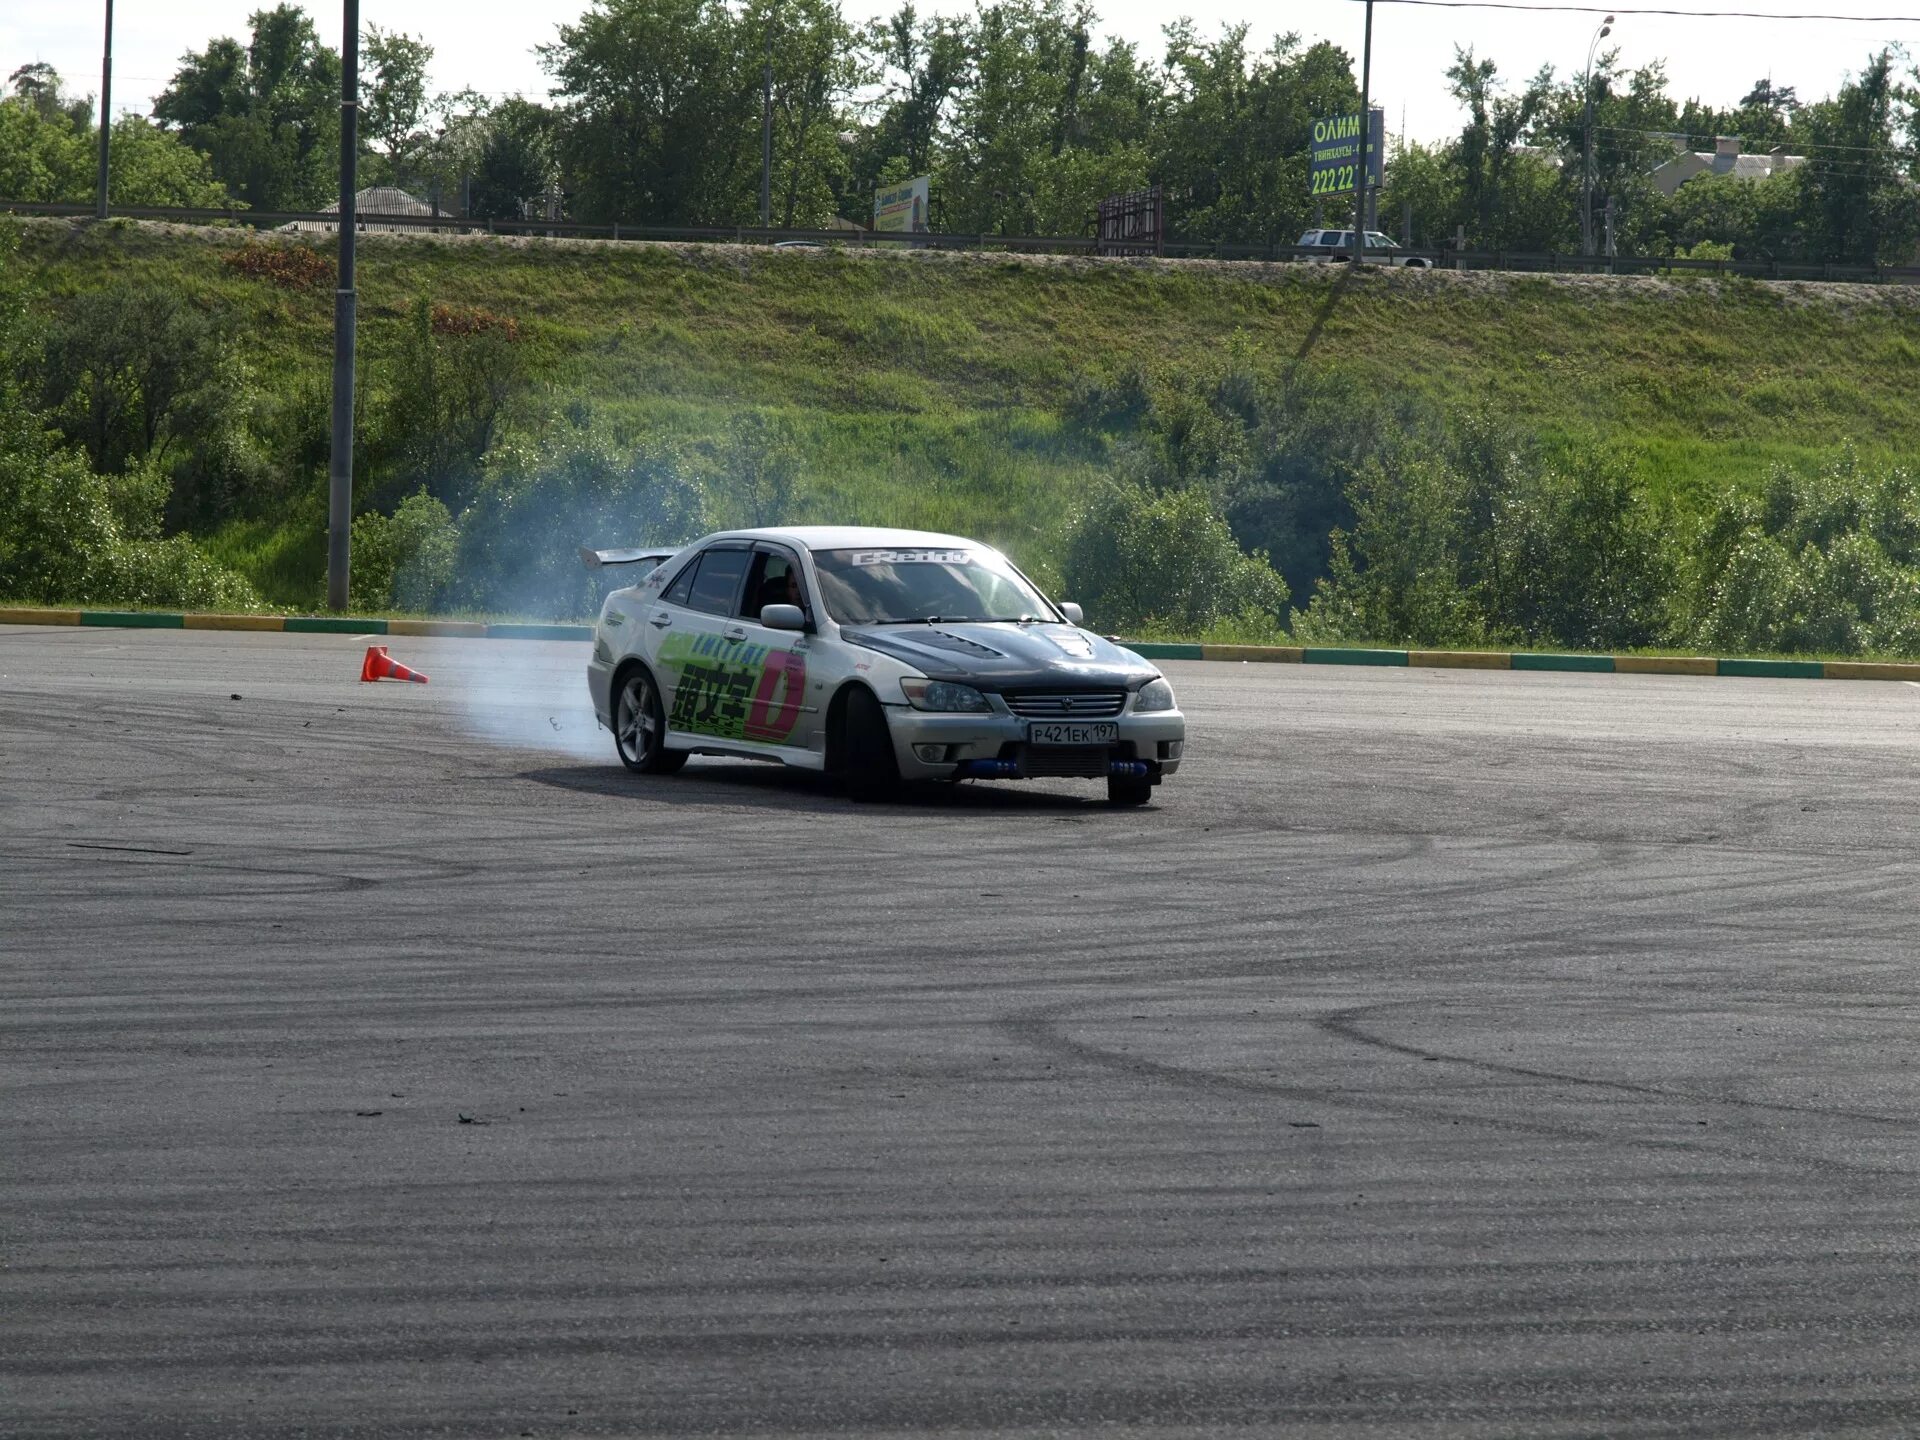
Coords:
717,582
682,587
775,579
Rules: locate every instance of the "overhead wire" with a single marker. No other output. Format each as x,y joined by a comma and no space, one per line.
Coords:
1551,8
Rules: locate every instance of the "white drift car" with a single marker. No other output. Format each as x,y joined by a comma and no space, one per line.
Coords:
879,655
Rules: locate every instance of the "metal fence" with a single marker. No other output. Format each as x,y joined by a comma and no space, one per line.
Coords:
1015,244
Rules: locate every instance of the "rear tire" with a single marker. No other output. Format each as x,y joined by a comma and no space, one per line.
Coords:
1129,789
640,727
873,773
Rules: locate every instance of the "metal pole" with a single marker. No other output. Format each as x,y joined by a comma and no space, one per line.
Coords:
766,132
1586,148
340,465
1366,137
106,117
1586,172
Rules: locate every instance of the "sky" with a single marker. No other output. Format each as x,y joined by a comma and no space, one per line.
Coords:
488,45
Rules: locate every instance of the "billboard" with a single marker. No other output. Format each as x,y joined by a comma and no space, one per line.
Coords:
1134,223
901,209
1333,159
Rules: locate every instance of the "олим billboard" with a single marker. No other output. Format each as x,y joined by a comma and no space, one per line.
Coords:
1333,159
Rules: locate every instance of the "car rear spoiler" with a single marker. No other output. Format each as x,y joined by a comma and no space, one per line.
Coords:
594,559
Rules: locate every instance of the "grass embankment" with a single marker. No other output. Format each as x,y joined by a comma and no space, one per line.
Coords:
927,389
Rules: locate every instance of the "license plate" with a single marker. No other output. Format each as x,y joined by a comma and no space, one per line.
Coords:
1072,732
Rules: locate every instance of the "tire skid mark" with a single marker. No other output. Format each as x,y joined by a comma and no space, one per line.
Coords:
1040,1030
1345,1025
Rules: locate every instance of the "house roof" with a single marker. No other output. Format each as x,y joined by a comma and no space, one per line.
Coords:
375,200
1724,159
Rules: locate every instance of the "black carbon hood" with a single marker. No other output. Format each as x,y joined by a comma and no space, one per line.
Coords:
1003,656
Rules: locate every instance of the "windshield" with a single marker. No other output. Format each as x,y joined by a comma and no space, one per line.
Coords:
904,585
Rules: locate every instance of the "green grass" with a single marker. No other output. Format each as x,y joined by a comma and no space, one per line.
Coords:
926,389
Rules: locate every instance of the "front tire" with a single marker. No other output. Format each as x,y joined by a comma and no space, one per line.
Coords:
873,772
1129,789
640,727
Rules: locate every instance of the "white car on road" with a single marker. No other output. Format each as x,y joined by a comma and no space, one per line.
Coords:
876,654
1336,245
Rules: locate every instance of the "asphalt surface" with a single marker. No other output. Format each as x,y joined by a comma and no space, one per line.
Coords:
1443,1053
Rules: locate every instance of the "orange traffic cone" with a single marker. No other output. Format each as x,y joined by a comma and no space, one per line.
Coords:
377,666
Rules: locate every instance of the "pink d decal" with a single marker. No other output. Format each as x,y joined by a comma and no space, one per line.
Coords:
785,675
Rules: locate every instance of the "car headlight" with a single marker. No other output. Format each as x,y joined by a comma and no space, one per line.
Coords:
925,694
1154,695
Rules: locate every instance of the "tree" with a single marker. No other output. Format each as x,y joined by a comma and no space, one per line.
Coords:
1424,180
1231,138
1048,126
43,158
1855,205
46,156
445,162
40,85
1486,150
148,166
816,67
923,66
662,103
130,370
394,114
1758,218
268,115
517,160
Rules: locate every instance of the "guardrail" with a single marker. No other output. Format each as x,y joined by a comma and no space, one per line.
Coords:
1515,261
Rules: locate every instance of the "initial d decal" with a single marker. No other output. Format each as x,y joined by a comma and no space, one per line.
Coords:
772,719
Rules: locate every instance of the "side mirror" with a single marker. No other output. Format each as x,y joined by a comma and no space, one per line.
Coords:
783,617
1075,615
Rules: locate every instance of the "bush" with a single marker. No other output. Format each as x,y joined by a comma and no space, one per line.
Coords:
473,320
405,560
448,387
1488,540
291,267
759,471
64,531
134,371
1167,563
1275,451
1826,562
539,501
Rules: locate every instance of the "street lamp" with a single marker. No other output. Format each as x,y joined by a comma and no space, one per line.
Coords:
1586,150
345,315
106,117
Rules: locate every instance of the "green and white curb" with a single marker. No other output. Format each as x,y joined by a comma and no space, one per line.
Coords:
1537,660
1152,650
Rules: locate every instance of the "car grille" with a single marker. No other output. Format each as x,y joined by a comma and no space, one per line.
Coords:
1066,762
1067,704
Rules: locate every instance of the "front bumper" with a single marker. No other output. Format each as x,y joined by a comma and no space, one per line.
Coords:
994,746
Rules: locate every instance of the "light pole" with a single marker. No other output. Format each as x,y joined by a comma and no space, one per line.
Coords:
1366,135
766,131
1586,149
106,116
340,462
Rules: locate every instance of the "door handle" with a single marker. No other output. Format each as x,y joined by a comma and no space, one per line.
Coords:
661,618
734,632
